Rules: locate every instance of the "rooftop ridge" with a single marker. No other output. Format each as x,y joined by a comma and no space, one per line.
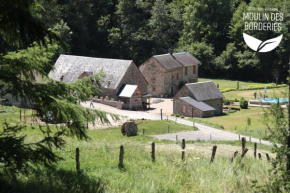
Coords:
93,57
198,82
170,54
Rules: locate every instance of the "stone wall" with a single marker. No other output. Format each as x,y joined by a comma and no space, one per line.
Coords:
172,81
133,76
182,108
162,81
183,92
154,73
217,104
190,77
116,104
133,103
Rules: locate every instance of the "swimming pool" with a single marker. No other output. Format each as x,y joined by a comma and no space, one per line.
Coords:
274,100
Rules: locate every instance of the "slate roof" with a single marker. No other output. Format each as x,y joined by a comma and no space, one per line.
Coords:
71,67
176,60
128,91
204,90
200,105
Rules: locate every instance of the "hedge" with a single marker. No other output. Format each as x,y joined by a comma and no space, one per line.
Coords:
253,87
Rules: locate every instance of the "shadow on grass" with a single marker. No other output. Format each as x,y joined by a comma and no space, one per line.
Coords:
53,181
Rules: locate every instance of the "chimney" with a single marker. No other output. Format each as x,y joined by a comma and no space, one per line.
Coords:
184,50
170,51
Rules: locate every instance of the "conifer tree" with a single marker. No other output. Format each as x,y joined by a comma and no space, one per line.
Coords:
24,67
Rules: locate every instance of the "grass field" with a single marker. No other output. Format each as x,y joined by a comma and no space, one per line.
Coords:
100,173
237,122
229,83
249,94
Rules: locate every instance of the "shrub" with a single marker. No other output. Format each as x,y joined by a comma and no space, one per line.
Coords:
177,115
236,100
243,103
226,102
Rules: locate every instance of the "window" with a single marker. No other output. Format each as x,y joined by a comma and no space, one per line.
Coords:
185,70
177,76
153,89
194,69
183,108
153,79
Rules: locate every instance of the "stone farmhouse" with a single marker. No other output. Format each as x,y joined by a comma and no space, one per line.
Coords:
120,74
201,99
166,73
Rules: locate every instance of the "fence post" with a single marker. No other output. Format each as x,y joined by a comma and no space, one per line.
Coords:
213,153
244,152
153,152
183,150
260,156
239,137
210,137
243,144
143,131
78,161
24,115
121,157
255,150
238,85
161,114
250,139
260,142
176,139
20,115
268,157
234,155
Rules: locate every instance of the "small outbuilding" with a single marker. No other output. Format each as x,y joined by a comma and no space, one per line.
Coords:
131,96
204,99
189,107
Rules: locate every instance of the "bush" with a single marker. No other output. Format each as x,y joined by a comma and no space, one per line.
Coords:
177,115
227,102
243,103
236,100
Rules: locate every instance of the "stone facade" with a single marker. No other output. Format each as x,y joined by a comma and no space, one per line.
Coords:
215,102
132,76
134,102
182,108
166,79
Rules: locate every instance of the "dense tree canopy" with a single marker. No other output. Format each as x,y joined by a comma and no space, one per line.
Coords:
209,29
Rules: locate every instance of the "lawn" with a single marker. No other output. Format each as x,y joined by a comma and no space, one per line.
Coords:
237,122
249,94
100,173
229,83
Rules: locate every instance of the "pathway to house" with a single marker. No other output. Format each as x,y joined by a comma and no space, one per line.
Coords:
203,133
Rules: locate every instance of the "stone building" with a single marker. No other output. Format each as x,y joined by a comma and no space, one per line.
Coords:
189,107
131,96
166,73
118,73
200,96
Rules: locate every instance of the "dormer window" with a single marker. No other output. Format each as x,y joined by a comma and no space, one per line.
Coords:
109,83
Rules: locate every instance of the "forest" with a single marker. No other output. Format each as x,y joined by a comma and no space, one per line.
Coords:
211,30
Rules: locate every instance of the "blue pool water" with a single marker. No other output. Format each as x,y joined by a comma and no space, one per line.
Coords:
274,100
